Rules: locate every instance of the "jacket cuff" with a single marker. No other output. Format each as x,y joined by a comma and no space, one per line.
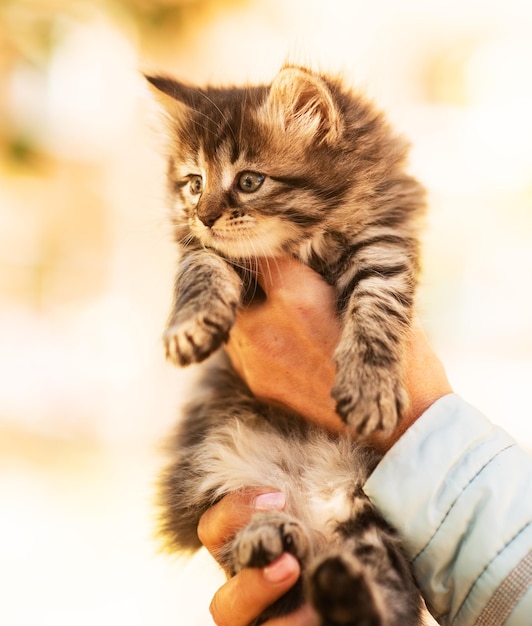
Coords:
458,490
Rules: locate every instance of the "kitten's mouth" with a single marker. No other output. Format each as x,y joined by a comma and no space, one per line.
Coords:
233,244
220,232
245,240
215,237
241,245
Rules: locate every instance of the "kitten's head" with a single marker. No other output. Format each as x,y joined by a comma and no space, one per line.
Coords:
255,170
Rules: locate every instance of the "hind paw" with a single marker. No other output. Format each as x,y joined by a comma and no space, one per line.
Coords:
342,594
267,536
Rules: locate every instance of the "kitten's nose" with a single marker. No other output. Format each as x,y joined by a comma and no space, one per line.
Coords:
209,210
209,219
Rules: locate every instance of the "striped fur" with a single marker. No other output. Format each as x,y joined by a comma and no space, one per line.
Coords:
304,168
354,570
335,194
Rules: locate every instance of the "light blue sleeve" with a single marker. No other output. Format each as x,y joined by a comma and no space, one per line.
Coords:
459,491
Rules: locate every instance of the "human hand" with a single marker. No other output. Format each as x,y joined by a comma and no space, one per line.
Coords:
245,596
283,348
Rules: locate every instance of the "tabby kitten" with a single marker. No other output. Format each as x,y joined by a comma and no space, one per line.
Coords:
304,168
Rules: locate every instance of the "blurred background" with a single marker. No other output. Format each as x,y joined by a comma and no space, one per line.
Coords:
86,260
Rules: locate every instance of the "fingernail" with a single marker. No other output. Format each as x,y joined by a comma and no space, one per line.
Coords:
281,570
270,501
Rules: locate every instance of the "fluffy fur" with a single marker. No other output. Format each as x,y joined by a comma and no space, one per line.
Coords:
305,168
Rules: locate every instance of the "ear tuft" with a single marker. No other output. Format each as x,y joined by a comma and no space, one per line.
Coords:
304,103
162,84
171,94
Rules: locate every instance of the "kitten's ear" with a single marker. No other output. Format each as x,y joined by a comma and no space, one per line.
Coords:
304,103
171,94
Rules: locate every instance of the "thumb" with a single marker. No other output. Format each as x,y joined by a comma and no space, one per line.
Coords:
244,597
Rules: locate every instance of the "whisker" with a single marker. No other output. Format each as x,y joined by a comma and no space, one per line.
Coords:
204,126
211,124
224,117
241,126
242,265
254,263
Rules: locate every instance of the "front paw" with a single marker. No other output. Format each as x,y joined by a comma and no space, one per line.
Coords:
193,339
369,399
266,537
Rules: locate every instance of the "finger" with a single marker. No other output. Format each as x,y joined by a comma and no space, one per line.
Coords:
220,523
245,596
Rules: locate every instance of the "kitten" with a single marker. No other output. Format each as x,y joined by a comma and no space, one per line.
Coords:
304,168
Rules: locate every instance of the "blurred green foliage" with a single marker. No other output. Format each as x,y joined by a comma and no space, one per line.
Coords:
31,30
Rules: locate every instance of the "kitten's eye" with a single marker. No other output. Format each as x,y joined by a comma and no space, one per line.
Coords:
196,185
250,181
